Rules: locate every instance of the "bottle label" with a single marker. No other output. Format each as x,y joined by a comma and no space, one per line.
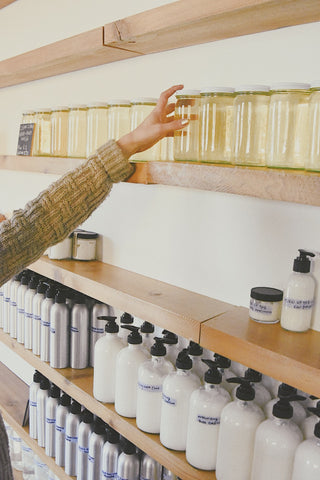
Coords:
83,449
37,317
74,329
12,303
119,477
60,429
45,324
91,459
33,404
52,330
28,315
298,304
169,400
97,330
71,439
6,299
21,311
50,420
150,388
261,307
208,420
111,476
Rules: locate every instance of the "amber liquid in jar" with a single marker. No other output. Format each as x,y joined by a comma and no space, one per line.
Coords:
42,133
119,118
186,141
140,109
313,161
97,126
59,131
77,131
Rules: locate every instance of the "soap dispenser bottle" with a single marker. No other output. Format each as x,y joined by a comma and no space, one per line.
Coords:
125,319
147,331
36,316
238,425
275,443
195,352
104,365
298,296
286,391
128,462
150,469
128,362
172,347
206,405
309,423
21,292
79,333
14,285
28,313
224,365
262,395
33,390
151,375
306,464
42,396
50,430
176,392
45,323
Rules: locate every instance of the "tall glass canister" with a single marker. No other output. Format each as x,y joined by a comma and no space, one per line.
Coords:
288,127
250,124
186,141
140,109
216,124
119,118
77,131
59,131
42,132
313,160
97,126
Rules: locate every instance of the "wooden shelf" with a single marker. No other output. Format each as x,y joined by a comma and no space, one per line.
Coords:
13,400
4,3
178,24
78,384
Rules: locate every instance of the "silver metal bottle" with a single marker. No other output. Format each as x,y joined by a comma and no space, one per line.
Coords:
33,390
28,311
149,468
61,415
168,475
85,430
96,442
22,289
6,306
45,324
128,462
36,317
97,325
71,445
51,412
59,332
13,304
110,454
79,334
42,396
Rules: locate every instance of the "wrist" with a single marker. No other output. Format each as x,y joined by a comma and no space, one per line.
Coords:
127,145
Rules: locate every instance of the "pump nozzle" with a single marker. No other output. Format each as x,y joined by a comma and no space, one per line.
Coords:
194,349
245,391
147,327
111,326
253,375
212,375
223,362
282,408
134,337
166,334
302,263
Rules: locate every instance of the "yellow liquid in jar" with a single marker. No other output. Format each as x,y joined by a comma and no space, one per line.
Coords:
59,133
119,121
313,162
42,134
97,128
186,141
138,113
77,132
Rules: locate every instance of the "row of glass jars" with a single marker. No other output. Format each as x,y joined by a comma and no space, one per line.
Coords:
252,125
78,131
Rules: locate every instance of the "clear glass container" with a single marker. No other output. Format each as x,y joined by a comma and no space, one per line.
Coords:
97,126
28,116
140,109
216,124
288,125
250,124
77,131
186,141
313,160
42,133
59,131
119,118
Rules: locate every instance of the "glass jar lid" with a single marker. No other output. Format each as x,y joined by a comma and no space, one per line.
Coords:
144,100
85,234
122,102
208,90
98,105
60,108
252,88
188,93
315,84
290,86
267,294
78,107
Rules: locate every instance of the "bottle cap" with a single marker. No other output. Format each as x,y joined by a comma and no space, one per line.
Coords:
60,297
166,334
54,391
44,383
24,279
65,400
245,391
37,376
147,100
17,278
126,318
302,263
112,435
124,102
33,283
42,287
212,375
290,86
111,326
127,447
86,416
267,294
183,361
75,407
99,427
253,375
158,349
134,338
223,362
252,88
213,89
183,93
50,291
79,299
147,327
194,349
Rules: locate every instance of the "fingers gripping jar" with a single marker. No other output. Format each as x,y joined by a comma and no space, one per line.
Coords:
97,126
59,131
186,141
140,109
250,124
77,131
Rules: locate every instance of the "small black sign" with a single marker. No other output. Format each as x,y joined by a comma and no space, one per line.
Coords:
25,138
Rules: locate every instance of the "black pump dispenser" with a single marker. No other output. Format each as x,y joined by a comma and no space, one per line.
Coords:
245,391
37,376
223,362
65,400
50,291
183,361
126,318
54,391
147,327
41,288
60,297
111,326
316,411
158,349
253,375
302,263
166,334
194,349
282,408
134,338
212,375
112,435
86,416
127,447
75,408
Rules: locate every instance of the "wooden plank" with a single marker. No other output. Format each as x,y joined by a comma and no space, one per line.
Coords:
53,165
191,22
165,305
290,357
4,3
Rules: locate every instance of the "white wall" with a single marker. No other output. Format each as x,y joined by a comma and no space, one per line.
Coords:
216,244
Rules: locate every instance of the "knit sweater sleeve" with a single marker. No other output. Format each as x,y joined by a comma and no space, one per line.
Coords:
59,209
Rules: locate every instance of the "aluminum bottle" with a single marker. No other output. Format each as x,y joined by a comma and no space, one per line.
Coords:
42,396
59,332
45,324
13,304
96,442
36,316
51,412
128,462
6,306
71,445
61,415
28,311
33,390
168,475
97,325
85,430
79,334
110,454
149,468
23,287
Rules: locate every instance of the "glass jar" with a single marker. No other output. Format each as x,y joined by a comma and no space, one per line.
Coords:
250,124
119,118
186,141
77,131
42,133
140,109
28,116
97,126
216,124
288,130
313,160
59,131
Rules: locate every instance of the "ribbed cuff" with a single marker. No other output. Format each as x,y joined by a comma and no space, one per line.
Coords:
115,163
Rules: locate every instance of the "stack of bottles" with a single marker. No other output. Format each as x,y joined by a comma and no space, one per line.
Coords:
84,445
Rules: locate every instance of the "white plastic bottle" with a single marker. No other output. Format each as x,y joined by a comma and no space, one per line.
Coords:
104,365
307,426
275,444
195,352
239,422
224,365
128,362
306,464
286,391
298,296
206,405
262,395
151,375
176,392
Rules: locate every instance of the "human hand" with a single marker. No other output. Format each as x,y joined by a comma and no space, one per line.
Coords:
157,125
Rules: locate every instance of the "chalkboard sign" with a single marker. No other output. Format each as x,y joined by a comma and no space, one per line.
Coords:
25,138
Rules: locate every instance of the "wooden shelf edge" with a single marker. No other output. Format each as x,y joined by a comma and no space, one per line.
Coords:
5,3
